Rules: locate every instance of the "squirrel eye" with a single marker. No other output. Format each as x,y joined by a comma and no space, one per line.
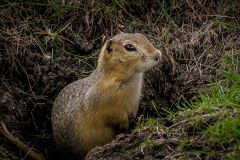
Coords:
130,47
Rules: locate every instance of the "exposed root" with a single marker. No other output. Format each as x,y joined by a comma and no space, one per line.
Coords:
33,153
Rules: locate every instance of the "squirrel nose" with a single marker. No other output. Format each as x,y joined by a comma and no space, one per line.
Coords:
157,56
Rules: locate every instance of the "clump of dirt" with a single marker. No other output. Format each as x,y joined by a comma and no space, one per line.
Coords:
149,143
45,46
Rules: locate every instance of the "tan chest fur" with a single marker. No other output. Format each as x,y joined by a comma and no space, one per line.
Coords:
116,97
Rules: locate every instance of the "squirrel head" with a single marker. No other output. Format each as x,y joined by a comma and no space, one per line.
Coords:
132,53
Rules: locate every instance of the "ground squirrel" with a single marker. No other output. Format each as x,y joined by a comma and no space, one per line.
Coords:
92,110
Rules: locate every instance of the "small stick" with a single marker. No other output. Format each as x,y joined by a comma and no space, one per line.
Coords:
35,154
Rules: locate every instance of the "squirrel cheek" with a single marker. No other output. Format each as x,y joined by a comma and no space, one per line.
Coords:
143,57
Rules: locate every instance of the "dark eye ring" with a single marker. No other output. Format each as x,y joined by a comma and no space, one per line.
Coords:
130,47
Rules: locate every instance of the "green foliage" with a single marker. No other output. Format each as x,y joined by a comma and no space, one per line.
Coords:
227,25
214,116
148,142
146,121
226,94
226,131
153,105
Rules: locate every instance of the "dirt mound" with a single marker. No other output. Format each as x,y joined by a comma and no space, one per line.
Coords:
45,46
166,139
138,145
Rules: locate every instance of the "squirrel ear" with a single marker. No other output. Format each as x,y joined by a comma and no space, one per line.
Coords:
109,46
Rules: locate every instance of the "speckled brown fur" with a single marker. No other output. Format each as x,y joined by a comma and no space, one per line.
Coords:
91,111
